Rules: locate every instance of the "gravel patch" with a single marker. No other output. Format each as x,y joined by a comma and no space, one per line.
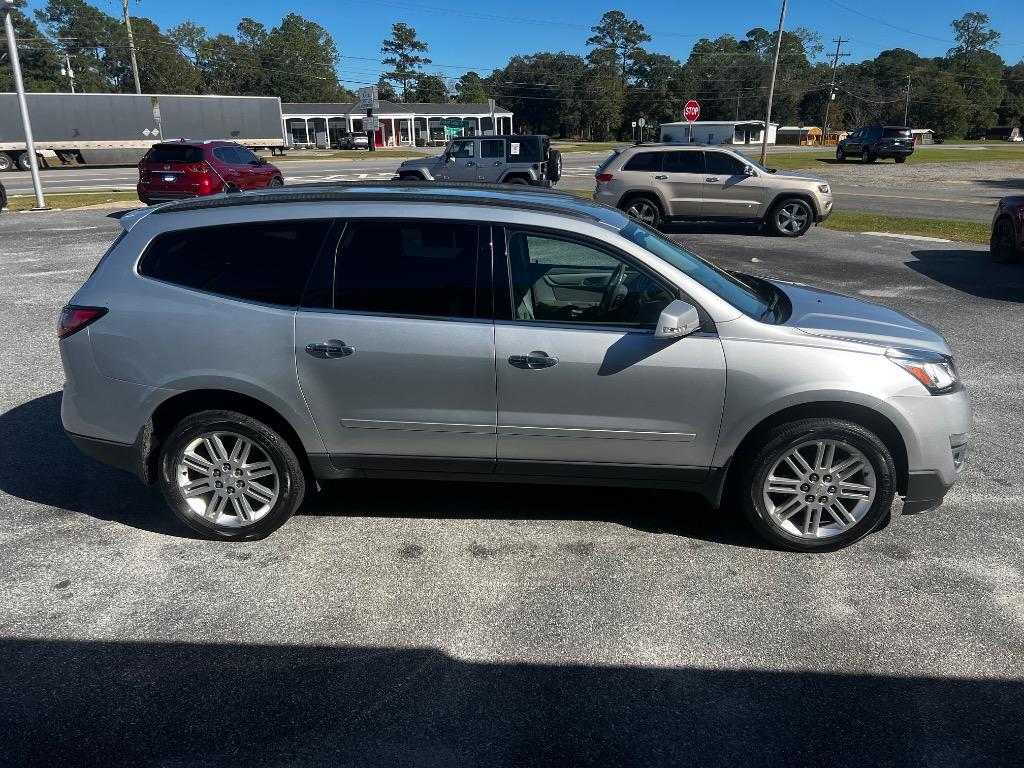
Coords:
888,175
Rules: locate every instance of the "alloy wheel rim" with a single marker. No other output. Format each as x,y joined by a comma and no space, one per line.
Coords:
819,489
1005,240
227,479
643,211
792,218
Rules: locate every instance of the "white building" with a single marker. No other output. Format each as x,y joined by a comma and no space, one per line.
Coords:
725,132
311,125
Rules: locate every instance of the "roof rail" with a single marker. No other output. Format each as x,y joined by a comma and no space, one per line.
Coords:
517,196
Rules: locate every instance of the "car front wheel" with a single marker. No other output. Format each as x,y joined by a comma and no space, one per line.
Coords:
1002,245
867,157
230,477
791,217
819,484
840,155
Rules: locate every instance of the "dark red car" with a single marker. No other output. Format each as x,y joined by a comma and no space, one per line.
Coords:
1007,242
174,170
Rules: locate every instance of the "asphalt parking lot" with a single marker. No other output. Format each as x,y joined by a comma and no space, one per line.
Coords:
417,624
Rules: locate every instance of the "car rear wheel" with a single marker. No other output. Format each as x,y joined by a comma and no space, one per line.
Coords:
1002,246
554,169
840,155
277,181
900,159
517,180
791,217
867,157
230,477
819,485
643,209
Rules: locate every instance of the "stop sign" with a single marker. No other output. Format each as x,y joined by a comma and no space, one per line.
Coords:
691,111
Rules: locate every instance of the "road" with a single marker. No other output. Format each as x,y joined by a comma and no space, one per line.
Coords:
959,199
410,623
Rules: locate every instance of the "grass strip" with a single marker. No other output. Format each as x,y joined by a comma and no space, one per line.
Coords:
71,200
961,231
820,161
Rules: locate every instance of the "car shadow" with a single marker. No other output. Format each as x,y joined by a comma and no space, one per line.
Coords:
1001,183
35,444
971,271
71,702
711,228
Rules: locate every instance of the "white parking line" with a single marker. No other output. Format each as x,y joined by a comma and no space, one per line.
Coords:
921,238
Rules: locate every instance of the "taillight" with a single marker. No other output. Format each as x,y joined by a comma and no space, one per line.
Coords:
604,177
913,141
199,168
73,319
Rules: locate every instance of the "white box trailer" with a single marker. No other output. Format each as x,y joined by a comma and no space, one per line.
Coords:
119,128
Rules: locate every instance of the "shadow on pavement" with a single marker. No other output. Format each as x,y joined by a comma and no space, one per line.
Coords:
971,271
711,228
73,703
1016,183
42,466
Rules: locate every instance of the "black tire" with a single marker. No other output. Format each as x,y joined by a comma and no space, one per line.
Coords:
517,180
24,161
277,181
290,485
554,169
231,188
840,155
867,157
6,163
784,439
788,213
900,159
1002,245
411,177
643,208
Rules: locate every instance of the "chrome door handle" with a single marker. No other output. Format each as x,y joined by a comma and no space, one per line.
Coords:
661,178
329,350
497,162
470,163
533,361
711,179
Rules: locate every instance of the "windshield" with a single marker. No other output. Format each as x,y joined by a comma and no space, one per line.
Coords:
721,283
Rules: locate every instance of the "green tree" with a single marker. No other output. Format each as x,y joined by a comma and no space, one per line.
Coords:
386,91
191,39
40,59
544,90
431,89
91,36
470,89
299,59
621,36
973,34
163,68
403,51
978,69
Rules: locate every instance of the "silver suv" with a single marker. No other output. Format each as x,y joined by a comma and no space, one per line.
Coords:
237,349
667,182
525,159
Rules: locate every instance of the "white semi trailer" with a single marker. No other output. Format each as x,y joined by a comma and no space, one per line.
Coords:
119,128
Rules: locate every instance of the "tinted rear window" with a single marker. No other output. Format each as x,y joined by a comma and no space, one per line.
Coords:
896,133
174,153
525,149
644,161
265,261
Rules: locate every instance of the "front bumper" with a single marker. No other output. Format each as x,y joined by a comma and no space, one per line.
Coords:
824,209
925,492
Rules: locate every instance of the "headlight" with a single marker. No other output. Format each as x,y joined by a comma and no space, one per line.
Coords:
825,189
936,372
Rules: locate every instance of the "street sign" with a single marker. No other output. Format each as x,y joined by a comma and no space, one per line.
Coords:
368,98
691,111
455,122
633,124
641,122
490,106
449,131
155,102
371,123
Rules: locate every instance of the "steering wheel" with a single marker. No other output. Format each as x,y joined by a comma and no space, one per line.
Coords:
612,290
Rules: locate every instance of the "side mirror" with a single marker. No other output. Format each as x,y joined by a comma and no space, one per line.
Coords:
449,159
678,319
749,171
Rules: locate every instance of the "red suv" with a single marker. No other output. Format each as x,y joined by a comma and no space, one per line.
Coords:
176,169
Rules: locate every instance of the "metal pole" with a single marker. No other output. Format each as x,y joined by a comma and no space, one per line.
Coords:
131,45
831,87
906,109
771,88
69,70
19,86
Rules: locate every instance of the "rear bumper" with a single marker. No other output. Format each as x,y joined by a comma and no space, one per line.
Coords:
892,152
126,456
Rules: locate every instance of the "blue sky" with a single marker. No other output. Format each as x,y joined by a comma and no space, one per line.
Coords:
465,34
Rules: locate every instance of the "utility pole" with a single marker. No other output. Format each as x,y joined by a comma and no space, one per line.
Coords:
131,45
832,86
66,70
771,88
906,109
19,86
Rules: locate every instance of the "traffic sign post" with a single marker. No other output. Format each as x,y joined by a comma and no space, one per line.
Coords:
690,112
368,101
